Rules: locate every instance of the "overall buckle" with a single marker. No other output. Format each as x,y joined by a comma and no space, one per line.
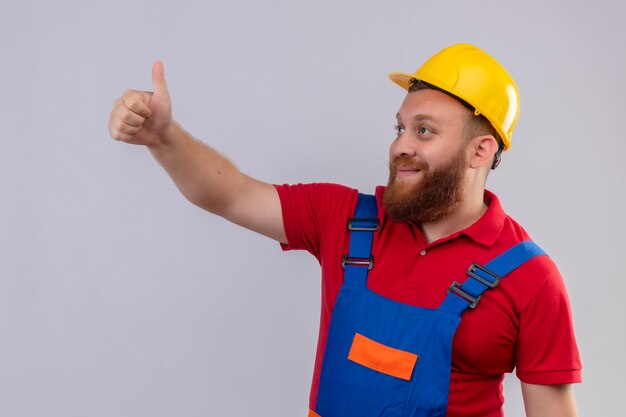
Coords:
473,267
456,288
363,224
347,260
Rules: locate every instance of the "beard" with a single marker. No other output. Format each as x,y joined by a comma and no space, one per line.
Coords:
438,193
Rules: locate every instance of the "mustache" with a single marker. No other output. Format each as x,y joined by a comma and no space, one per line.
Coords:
404,161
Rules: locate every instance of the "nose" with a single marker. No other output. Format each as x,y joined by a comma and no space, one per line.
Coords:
402,146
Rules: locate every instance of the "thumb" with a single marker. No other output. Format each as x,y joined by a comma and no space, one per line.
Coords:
158,80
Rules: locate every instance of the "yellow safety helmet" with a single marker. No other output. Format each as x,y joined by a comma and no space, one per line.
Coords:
474,76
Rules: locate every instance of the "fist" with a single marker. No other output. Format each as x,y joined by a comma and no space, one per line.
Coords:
142,117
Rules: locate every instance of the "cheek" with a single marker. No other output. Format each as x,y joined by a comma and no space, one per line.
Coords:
438,153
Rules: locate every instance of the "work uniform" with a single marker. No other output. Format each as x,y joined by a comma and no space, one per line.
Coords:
508,329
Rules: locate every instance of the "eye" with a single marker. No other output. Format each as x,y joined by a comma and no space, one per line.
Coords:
422,130
399,129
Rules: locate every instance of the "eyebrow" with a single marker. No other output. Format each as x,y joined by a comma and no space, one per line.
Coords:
420,117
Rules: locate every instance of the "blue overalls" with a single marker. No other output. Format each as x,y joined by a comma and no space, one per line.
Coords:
384,358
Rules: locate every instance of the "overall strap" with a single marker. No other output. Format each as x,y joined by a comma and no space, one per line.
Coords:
362,226
481,278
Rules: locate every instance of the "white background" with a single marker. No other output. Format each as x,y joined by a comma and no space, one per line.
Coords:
119,298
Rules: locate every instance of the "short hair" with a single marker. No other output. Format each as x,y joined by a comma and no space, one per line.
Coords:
475,125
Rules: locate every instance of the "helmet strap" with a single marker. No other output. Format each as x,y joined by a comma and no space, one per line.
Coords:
497,158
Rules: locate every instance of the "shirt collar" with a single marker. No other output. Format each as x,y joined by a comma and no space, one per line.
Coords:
487,229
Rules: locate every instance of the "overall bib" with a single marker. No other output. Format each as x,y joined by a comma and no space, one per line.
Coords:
385,358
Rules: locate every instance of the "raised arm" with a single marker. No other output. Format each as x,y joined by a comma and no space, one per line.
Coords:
204,177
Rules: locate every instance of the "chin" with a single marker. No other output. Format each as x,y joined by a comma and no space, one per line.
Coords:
406,185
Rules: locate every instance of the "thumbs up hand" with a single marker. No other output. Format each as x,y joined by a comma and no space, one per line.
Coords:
142,117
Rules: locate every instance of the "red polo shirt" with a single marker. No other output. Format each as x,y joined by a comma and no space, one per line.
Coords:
525,323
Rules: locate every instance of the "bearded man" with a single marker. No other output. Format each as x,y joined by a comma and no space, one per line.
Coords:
430,291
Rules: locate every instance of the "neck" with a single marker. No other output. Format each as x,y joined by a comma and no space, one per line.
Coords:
467,213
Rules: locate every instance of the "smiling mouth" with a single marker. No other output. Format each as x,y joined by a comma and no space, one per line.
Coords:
406,172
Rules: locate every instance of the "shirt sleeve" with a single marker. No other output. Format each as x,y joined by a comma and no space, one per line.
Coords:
547,352
311,212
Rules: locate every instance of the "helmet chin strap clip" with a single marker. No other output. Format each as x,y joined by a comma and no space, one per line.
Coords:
497,158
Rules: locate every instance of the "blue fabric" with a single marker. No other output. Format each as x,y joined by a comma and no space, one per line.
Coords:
361,244
349,389
501,265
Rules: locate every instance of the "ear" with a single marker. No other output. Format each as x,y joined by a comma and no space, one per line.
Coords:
483,148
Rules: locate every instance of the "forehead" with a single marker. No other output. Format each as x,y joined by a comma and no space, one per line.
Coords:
434,105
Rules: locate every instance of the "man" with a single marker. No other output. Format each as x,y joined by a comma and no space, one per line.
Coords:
399,334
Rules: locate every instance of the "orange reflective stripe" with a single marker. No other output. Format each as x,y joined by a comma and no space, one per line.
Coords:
313,413
382,358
